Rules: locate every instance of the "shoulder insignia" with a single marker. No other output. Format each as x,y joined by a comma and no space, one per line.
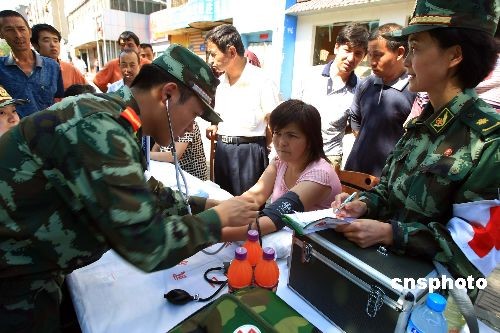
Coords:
491,128
441,120
481,121
131,117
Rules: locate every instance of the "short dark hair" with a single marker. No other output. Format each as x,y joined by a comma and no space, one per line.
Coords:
392,45
38,28
307,119
152,75
12,13
77,89
224,36
146,45
128,50
355,34
479,52
126,35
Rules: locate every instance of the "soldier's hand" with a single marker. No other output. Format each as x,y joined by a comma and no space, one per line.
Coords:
211,132
236,212
211,203
247,198
366,232
355,208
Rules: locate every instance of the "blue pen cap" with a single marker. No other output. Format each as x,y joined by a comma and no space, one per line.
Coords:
436,302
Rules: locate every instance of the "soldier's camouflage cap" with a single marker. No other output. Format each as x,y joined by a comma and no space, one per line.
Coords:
470,14
6,99
195,73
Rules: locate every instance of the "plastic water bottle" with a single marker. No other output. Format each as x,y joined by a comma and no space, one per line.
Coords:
267,272
453,316
253,247
428,317
240,273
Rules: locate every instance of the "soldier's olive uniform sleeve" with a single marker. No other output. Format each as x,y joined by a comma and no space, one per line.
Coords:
432,239
151,231
197,203
425,175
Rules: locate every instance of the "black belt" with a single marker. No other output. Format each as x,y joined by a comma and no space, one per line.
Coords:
236,140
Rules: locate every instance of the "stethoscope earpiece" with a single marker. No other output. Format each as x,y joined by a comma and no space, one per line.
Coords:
178,171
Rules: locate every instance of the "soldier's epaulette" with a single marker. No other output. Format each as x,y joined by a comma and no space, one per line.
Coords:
132,118
483,120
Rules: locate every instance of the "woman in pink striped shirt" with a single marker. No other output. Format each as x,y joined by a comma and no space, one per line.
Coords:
300,178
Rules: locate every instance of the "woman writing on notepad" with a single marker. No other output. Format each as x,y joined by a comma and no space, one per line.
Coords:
449,154
300,178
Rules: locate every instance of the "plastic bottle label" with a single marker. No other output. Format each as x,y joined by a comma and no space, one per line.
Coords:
412,329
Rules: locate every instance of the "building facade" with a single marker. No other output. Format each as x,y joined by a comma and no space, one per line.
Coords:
94,25
50,12
317,25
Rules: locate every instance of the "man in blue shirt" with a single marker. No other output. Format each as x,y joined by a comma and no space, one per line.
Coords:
23,73
381,104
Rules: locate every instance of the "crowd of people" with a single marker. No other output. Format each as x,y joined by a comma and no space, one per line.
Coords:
72,161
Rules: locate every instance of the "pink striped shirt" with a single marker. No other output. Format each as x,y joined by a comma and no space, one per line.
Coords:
319,171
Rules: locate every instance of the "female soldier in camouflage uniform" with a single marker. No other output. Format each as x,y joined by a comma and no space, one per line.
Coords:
450,153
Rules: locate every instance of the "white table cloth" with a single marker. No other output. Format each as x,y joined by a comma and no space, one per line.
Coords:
111,295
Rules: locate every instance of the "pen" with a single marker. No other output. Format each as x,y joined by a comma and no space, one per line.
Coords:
346,201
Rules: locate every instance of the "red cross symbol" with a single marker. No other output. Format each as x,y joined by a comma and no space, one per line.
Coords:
487,238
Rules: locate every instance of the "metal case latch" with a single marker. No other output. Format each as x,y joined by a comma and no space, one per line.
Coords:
382,250
306,252
375,301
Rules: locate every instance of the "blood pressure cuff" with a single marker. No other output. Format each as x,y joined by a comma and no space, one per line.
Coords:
286,204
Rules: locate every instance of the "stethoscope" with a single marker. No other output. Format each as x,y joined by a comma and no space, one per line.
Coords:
178,172
178,296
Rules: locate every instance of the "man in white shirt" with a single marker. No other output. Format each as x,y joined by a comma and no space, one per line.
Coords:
245,98
332,90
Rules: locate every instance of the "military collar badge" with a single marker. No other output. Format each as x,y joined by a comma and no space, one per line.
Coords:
440,122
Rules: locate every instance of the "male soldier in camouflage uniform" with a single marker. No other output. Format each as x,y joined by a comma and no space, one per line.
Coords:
72,186
449,155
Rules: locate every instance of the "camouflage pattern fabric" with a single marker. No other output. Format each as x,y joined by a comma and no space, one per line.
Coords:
72,186
445,157
251,306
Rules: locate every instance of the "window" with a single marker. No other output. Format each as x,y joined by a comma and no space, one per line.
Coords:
178,3
124,5
324,42
148,8
115,5
133,6
140,7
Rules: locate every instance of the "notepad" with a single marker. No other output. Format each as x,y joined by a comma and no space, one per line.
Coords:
307,222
